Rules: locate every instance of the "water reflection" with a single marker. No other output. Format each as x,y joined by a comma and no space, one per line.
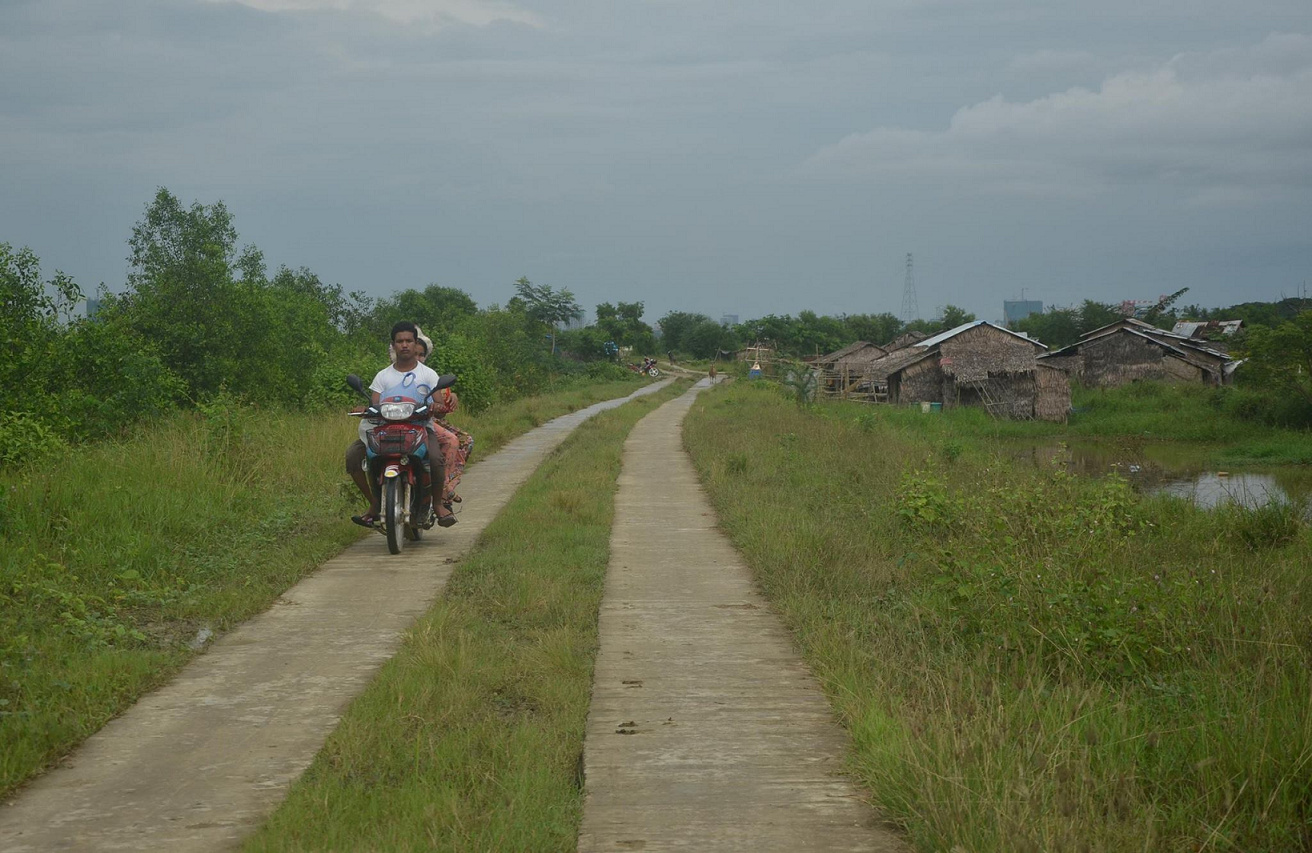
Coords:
1178,471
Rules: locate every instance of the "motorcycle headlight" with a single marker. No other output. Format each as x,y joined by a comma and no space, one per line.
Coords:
397,411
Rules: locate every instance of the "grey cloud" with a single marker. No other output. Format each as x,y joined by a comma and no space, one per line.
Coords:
1195,122
652,149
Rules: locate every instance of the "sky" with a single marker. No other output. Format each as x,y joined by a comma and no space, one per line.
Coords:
738,156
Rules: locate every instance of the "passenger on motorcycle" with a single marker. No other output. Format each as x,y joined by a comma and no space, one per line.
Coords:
406,348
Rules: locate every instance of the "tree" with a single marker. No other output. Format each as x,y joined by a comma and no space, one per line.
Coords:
552,307
875,328
1095,315
31,311
708,338
1056,327
182,295
953,317
675,327
623,324
1281,357
437,310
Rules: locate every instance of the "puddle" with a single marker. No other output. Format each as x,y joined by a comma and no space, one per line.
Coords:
1180,472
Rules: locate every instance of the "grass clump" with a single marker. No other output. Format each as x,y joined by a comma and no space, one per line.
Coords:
1270,525
115,557
471,737
1025,659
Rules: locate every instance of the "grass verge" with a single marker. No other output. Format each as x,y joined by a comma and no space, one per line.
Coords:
1027,660
114,558
471,737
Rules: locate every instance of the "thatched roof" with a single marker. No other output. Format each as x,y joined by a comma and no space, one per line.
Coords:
885,367
861,351
975,351
1180,351
975,324
1124,322
905,339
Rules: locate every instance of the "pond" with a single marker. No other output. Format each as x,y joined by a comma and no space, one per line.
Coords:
1182,472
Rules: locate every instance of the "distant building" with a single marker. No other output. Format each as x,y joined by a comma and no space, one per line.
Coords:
728,319
1015,310
93,307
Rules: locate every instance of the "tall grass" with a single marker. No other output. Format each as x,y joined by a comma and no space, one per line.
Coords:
472,736
1027,660
114,557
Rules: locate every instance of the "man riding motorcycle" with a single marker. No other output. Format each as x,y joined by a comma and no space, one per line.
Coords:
406,347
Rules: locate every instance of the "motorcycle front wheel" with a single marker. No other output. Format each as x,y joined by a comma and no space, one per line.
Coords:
394,513
654,373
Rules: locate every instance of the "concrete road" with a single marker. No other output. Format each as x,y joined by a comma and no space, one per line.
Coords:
706,730
199,763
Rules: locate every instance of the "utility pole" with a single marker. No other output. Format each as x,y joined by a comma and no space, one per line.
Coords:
910,307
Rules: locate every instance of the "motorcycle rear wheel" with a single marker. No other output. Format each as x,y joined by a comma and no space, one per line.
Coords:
394,513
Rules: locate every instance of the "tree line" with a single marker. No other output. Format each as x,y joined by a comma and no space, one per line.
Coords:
202,318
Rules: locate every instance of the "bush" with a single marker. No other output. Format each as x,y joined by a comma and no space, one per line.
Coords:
608,370
26,438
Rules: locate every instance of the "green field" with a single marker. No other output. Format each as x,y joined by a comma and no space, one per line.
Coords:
1025,659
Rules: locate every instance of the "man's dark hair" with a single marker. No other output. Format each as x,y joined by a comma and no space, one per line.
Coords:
405,326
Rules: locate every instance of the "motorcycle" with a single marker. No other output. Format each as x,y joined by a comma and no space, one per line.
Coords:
648,368
397,450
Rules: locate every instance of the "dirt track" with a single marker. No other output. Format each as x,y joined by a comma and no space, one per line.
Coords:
197,764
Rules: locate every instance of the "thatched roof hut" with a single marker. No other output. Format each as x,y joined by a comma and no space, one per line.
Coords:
978,363
1123,355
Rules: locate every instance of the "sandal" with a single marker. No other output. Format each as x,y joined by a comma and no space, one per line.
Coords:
446,520
367,520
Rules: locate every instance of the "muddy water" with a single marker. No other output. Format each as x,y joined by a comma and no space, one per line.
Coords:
1181,472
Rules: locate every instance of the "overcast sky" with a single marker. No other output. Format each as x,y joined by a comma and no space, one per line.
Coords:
740,156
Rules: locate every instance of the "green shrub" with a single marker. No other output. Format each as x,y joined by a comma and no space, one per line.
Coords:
27,439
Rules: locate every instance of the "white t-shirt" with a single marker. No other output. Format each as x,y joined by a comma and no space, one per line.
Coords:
389,377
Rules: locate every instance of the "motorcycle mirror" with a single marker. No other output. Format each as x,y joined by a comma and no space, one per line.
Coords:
356,385
445,381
